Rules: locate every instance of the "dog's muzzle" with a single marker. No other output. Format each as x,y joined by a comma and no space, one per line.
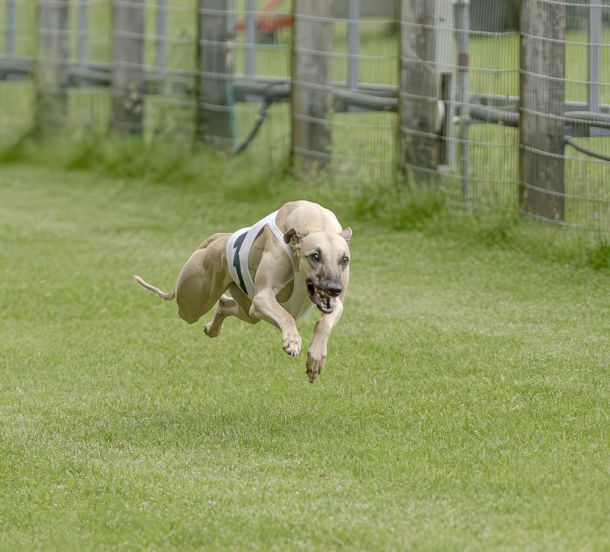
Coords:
325,298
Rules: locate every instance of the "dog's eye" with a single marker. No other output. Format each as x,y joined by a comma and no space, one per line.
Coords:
344,260
315,257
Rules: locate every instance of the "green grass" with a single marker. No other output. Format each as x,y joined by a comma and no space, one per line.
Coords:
464,404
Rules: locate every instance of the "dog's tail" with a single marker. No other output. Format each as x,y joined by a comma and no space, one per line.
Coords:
166,296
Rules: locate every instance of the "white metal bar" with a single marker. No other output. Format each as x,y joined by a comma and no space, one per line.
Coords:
11,24
462,19
161,35
83,32
250,37
353,43
595,33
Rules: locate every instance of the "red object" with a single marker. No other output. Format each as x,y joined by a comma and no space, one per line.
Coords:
267,22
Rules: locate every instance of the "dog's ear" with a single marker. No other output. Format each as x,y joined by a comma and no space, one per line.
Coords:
292,237
346,234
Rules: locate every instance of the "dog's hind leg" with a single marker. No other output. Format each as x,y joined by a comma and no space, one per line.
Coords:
202,280
227,306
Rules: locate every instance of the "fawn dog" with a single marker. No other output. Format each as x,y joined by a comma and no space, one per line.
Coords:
275,270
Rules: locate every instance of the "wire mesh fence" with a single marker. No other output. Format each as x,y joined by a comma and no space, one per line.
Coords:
502,104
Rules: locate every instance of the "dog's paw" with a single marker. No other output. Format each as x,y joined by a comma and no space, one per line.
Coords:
211,331
314,366
292,344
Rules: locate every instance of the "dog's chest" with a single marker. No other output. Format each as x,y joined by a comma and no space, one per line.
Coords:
298,304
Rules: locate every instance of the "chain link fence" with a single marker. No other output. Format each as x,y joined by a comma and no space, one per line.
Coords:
503,104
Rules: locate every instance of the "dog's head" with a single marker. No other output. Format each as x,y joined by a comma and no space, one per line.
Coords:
322,258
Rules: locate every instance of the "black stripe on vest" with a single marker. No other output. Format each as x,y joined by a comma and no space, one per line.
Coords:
239,241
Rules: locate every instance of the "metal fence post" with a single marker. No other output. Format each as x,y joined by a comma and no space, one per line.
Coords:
83,32
11,27
215,80
52,64
445,65
595,37
311,85
462,17
250,37
419,91
128,65
542,126
161,46
353,43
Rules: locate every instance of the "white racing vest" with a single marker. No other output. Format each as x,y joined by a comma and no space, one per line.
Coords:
238,252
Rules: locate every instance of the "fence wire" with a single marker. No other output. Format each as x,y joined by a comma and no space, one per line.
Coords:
503,104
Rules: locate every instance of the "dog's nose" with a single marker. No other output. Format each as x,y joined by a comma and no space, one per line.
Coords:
334,288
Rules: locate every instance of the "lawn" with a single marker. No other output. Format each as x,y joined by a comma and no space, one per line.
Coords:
464,405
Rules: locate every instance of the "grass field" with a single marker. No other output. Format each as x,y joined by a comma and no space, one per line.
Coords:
464,405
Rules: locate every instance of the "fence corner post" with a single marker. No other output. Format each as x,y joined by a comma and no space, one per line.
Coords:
52,66
128,34
542,125
311,86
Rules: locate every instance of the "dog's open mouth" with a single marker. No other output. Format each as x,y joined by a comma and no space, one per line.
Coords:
321,298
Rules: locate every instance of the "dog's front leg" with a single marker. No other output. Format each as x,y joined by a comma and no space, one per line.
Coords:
316,356
266,306
273,273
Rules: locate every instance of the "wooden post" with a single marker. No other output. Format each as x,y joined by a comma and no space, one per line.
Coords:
127,65
419,91
311,85
51,69
542,128
215,83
